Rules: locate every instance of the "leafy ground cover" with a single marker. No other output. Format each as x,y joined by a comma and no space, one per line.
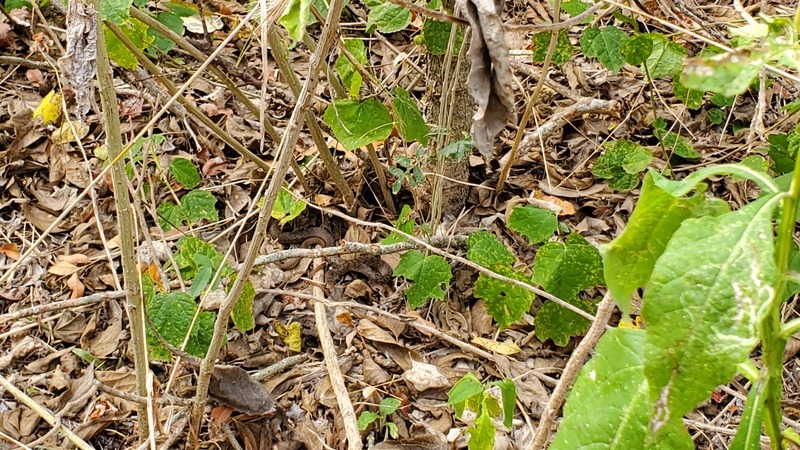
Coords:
302,201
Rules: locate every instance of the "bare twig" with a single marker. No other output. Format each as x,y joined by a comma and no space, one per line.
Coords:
58,306
576,361
17,61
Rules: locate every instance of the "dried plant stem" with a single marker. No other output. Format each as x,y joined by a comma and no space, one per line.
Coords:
576,361
279,54
58,306
348,414
125,221
284,154
44,414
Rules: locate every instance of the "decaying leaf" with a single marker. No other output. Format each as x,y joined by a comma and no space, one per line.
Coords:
490,75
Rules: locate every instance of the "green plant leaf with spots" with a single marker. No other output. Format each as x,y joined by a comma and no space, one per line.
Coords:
563,50
350,76
429,274
606,45
185,172
565,269
172,314
356,123
559,324
621,163
485,249
535,223
505,302
673,142
197,205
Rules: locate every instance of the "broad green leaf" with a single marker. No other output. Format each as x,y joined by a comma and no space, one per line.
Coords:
405,223
365,419
115,11
605,44
673,141
135,31
559,324
701,306
666,58
170,216
467,387
242,314
782,156
628,261
691,98
481,434
388,406
201,280
755,162
17,4
192,250
534,223
197,205
563,50
608,407
358,123
728,74
748,436
716,116
436,35
393,433
295,18
565,269
410,124
508,393
171,314
576,7
486,249
351,78
185,172
173,22
388,18
621,163
428,273
637,49
286,208
505,302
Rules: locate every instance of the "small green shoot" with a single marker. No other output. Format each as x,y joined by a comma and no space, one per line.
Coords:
387,407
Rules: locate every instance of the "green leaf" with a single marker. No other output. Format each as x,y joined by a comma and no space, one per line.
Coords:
666,58
135,31
388,406
562,52
388,18
286,208
637,49
115,11
701,305
508,392
628,261
185,172
351,78
715,116
174,23
756,162
295,18
505,302
559,324
393,433
357,123
565,269
365,419
197,205
457,150
534,223
782,156
436,35
673,141
172,314
748,436
242,313
170,216
467,387
728,74
428,273
576,7
486,249
410,124
608,407
691,98
481,434
621,163
201,280
192,250
405,223
605,44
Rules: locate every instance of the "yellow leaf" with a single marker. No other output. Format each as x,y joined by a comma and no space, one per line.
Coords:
635,324
502,348
50,108
290,335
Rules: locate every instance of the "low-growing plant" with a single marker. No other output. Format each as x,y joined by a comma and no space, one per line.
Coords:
387,407
469,394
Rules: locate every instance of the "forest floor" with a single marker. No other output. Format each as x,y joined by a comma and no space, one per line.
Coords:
65,335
